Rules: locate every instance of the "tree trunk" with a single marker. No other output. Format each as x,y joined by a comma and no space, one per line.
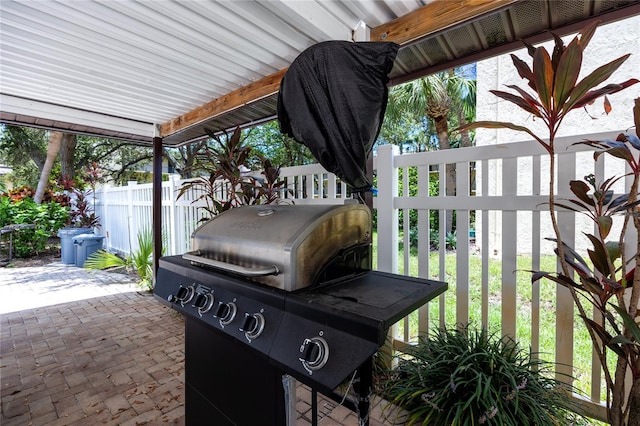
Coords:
465,139
38,157
634,403
67,153
53,147
442,129
616,416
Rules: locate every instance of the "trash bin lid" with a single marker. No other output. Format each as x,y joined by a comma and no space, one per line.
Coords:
84,237
69,232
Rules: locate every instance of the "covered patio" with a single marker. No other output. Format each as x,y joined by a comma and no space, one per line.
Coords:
160,73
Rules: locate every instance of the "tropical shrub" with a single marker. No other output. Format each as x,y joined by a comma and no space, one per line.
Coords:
451,240
609,282
22,192
225,184
46,218
81,212
140,261
471,377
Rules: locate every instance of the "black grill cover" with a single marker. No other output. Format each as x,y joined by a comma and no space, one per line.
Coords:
333,98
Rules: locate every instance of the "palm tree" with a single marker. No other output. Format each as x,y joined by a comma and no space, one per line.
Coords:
447,99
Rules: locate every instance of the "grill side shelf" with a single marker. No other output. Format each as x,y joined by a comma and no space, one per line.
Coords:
370,302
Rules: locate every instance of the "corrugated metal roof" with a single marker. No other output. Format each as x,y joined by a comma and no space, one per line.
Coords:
124,68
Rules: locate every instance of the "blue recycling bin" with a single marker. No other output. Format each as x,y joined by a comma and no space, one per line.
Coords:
67,248
86,245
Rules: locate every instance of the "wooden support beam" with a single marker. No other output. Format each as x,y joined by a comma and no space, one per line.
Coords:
239,97
433,17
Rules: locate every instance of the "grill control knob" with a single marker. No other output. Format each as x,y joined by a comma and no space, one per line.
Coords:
183,295
225,312
204,302
314,353
253,325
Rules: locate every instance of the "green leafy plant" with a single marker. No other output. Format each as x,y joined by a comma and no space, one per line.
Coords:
451,240
470,377
434,238
46,218
140,261
556,91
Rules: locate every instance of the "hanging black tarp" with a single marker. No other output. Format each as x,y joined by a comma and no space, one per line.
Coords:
333,98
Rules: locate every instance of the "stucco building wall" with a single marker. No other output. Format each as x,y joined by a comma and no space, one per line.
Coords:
609,42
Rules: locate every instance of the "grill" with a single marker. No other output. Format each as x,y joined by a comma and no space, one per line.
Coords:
274,294
287,247
277,293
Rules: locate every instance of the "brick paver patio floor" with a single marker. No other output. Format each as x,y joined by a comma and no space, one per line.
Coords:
81,347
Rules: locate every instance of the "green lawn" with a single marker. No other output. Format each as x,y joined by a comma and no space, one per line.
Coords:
582,342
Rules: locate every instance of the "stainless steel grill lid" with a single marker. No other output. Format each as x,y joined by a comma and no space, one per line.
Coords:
281,246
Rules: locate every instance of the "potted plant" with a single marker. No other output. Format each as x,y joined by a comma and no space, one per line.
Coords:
610,281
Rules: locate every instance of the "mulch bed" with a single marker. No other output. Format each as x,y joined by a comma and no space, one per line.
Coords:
49,255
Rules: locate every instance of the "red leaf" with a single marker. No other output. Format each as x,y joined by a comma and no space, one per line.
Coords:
524,71
558,51
504,125
521,102
598,76
607,105
591,96
543,73
567,73
587,33
599,256
581,190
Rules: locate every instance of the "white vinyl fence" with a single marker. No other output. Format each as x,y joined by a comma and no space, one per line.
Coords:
124,211
501,224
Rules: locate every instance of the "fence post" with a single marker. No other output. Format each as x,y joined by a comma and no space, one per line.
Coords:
462,243
387,230
172,247
424,241
387,213
133,226
509,250
565,171
104,216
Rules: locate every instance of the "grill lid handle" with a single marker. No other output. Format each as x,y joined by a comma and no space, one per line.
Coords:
194,256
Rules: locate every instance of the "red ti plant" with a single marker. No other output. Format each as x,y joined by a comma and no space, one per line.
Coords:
554,91
620,280
226,159
271,188
81,214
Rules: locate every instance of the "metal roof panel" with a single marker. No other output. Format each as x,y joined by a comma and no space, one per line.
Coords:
155,62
